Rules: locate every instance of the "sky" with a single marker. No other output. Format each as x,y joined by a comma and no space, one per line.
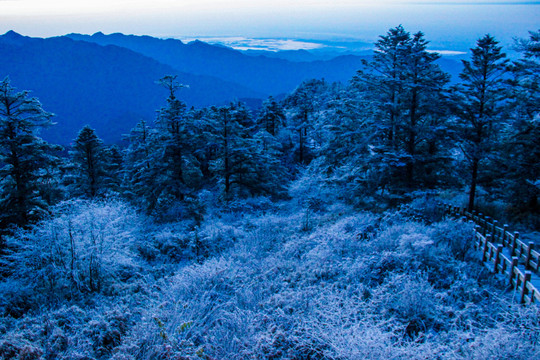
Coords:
451,25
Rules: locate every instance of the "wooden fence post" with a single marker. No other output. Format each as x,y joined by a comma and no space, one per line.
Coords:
505,235
513,265
497,258
524,291
483,223
514,243
529,256
485,247
476,244
494,232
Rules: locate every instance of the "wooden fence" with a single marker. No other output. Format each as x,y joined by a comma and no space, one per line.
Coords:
505,253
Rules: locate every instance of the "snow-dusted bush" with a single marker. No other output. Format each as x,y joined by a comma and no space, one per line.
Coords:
410,299
515,336
16,297
424,207
85,246
169,242
456,236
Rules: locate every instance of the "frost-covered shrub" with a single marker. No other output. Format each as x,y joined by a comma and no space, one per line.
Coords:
169,209
424,207
355,286
172,242
250,205
181,322
373,270
106,332
410,299
456,236
85,246
16,297
214,236
391,237
502,342
9,349
266,233
312,187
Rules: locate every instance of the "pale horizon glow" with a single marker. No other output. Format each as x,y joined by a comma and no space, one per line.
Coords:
442,22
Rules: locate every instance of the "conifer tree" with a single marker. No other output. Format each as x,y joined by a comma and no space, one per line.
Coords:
88,164
233,165
271,116
424,114
175,144
26,160
244,163
141,171
522,141
383,80
114,168
406,87
479,105
303,104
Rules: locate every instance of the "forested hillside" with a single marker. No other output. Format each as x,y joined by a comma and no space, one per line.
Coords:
309,229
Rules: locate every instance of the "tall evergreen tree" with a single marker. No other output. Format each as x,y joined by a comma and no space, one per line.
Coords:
244,162
479,106
271,116
233,165
522,143
303,104
406,87
383,79
114,168
25,159
424,116
175,140
141,171
88,164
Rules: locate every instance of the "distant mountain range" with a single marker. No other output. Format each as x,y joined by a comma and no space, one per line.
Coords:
109,81
111,88
259,73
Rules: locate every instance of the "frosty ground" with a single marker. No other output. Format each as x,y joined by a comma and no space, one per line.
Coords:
258,280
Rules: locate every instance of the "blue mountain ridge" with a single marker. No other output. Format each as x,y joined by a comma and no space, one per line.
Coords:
109,81
108,87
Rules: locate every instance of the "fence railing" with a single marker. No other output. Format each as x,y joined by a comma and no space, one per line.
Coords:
505,253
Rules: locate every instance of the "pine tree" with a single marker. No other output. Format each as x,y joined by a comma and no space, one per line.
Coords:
245,162
478,105
233,164
175,138
303,104
383,79
114,168
88,164
423,92
141,157
26,160
271,116
347,154
406,88
522,143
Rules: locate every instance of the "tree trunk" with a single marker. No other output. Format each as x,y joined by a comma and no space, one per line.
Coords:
472,191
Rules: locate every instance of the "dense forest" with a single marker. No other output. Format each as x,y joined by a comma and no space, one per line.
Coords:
308,229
